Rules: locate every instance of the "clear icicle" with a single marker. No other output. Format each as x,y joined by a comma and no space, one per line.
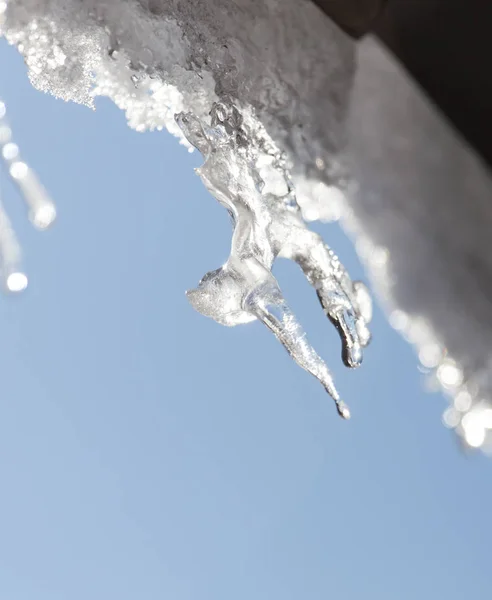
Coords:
246,173
268,305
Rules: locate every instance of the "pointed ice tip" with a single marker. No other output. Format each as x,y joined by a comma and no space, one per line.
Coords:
352,357
343,411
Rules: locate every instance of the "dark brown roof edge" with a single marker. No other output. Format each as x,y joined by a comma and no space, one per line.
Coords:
446,45
356,17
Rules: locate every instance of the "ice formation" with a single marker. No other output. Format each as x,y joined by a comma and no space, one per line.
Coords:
248,176
190,67
41,208
290,72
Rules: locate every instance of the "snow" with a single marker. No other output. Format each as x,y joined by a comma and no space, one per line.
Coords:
424,196
289,73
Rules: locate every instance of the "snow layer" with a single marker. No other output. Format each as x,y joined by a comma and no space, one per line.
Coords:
288,69
422,219
157,57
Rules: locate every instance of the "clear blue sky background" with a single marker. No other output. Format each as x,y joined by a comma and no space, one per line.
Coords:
148,453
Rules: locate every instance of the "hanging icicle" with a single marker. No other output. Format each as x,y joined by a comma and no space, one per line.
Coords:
247,174
41,209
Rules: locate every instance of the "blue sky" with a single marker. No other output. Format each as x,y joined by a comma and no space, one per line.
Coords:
148,453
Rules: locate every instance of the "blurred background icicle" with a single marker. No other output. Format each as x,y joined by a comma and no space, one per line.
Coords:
41,208
14,279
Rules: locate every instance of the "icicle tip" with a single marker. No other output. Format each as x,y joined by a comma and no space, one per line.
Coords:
343,410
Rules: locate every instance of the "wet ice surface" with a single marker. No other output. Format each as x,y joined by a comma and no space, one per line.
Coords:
247,174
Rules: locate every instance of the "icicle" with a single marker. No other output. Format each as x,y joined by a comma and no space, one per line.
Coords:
247,175
13,277
268,305
42,211
41,208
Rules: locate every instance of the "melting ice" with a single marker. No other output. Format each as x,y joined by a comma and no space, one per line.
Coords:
248,175
157,59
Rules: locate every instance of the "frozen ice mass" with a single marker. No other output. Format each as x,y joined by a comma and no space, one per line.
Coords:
267,93
248,176
163,64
